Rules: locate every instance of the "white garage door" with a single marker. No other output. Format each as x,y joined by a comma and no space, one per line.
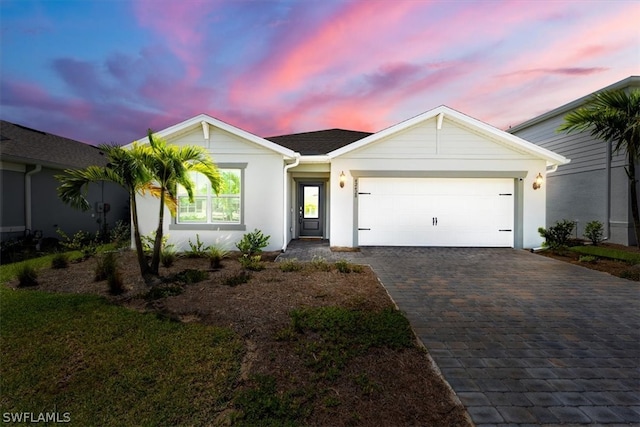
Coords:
435,212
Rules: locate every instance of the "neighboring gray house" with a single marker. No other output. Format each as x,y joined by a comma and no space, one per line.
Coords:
29,160
594,186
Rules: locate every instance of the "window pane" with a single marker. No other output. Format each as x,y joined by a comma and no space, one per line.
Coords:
230,181
225,209
311,202
192,212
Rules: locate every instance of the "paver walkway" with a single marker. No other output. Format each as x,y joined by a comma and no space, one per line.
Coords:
522,339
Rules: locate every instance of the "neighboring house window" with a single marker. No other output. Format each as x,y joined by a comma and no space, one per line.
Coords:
209,208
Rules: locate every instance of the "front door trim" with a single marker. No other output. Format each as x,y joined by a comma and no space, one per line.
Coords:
310,222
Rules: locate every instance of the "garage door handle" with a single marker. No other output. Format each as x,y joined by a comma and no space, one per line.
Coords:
364,229
364,193
506,229
434,220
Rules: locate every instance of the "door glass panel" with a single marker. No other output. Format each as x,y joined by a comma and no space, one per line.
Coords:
311,200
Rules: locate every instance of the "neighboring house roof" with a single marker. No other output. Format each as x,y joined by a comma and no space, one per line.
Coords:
21,144
318,142
479,127
204,120
629,82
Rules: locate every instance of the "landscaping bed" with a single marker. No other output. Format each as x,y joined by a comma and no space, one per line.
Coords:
624,268
321,346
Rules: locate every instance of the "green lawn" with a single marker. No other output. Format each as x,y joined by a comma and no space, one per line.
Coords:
602,252
108,365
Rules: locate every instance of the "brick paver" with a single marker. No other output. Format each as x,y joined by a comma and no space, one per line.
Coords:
521,339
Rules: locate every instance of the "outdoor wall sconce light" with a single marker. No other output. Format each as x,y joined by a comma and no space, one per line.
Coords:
343,179
538,181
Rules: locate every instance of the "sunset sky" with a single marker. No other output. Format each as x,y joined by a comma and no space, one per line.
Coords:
104,71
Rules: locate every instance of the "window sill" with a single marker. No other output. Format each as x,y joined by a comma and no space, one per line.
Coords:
213,227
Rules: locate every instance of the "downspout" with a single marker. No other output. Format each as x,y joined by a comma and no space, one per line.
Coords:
27,196
285,241
608,194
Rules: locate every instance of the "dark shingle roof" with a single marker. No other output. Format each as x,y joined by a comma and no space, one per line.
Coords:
25,145
318,142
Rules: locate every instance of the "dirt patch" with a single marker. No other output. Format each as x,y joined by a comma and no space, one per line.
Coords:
382,387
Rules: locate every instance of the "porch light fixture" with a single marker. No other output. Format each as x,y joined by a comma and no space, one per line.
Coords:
538,181
343,179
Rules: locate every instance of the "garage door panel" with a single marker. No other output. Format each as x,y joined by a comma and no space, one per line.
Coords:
435,212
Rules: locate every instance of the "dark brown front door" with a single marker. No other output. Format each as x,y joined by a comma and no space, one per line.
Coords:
310,209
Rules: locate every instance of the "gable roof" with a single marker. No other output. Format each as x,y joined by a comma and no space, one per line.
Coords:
442,112
200,120
21,144
318,142
631,82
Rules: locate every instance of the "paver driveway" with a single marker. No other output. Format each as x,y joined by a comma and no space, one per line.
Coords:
522,339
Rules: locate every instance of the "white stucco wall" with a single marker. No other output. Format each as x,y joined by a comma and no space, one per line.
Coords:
262,193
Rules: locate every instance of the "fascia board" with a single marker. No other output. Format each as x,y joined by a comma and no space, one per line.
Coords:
197,120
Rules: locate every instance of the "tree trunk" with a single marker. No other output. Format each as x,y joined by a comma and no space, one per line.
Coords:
157,246
634,196
142,262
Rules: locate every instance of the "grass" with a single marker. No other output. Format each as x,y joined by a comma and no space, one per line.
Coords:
602,252
73,353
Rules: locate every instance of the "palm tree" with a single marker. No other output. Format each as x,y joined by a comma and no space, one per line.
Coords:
169,166
614,117
125,168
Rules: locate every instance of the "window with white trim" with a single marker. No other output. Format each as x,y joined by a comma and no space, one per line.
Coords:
209,207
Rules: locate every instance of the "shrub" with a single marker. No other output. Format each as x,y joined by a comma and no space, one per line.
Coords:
81,241
236,279
253,243
115,283
594,231
557,236
216,254
190,276
158,292
148,242
198,249
588,259
168,256
120,234
289,265
60,260
27,276
344,266
106,266
319,263
252,263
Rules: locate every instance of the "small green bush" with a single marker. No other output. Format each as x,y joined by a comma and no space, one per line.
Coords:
320,264
120,234
290,265
216,254
253,243
557,236
197,249
168,256
252,263
60,260
344,266
190,276
106,265
236,279
115,283
594,231
27,276
164,291
588,259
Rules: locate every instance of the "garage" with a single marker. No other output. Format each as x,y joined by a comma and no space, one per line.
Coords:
458,212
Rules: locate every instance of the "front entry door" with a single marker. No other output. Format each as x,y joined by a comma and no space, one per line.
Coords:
310,209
